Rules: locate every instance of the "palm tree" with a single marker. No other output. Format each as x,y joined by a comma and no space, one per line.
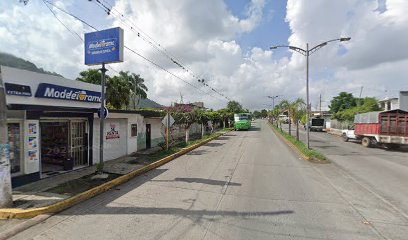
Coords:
286,105
117,91
297,111
137,87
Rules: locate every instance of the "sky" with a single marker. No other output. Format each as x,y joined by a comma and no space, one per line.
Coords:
227,43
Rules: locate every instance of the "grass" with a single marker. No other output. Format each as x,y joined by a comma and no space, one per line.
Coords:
310,153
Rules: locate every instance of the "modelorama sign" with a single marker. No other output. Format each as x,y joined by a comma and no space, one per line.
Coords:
104,46
46,90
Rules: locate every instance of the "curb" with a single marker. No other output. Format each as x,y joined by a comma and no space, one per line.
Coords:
8,213
303,156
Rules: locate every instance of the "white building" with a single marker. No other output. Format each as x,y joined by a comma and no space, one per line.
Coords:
53,126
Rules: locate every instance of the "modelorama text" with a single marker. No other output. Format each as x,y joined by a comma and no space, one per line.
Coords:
66,93
102,46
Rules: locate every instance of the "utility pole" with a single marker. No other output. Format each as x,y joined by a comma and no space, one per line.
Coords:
307,97
359,97
273,102
102,121
6,197
320,105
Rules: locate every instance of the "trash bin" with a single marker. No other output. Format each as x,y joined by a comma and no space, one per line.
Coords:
68,164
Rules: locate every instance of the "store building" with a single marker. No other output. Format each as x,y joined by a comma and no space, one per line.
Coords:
50,123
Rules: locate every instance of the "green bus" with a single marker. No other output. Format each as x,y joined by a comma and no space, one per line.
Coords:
242,121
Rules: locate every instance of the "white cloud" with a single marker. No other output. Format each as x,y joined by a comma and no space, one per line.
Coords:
203,36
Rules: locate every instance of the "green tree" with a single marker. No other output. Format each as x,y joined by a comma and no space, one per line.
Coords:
297,111
185,117
235,107
367,105
92,76
264,113
342,102
118,92
256,114
224,114
202,118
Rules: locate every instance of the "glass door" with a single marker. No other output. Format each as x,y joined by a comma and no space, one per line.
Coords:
79,143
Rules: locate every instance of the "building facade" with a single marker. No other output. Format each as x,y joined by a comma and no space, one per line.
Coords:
53,126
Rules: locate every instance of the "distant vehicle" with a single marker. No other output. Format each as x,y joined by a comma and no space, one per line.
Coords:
242,121
388,128
284,118
317,124
348,134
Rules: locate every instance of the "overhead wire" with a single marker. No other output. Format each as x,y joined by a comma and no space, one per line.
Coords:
128,48
110,11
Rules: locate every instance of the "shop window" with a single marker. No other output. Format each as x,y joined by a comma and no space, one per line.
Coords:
133,128
14,137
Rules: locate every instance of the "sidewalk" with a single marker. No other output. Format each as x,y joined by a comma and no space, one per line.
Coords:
36,194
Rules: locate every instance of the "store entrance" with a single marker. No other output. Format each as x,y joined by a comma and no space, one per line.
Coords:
54,147
64,146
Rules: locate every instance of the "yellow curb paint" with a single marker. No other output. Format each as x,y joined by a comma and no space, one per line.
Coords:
8,213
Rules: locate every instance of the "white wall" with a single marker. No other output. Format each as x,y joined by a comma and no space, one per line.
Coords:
125,144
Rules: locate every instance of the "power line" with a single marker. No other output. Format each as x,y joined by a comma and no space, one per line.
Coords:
110,11
133,51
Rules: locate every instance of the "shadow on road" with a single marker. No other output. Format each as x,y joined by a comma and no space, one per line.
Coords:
197,152
213,144
225,137
201,180
126,209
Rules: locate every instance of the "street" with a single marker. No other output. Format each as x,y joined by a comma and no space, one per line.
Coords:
248,185
382,171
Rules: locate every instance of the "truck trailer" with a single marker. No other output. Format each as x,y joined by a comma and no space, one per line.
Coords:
387,128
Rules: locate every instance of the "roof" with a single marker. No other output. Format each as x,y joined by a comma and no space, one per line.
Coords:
146,103
388,99
394,110
148,113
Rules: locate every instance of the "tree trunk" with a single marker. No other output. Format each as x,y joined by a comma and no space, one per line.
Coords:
223,123
290,128
187,134
6,197
297,130
202,130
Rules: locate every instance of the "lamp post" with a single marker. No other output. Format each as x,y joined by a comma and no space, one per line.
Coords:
307,53
273,102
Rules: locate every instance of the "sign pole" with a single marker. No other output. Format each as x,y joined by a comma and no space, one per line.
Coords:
167,131
102,121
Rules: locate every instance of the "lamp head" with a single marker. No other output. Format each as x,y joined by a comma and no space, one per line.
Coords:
273,47
345,39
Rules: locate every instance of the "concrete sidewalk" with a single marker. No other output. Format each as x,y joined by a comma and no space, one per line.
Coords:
35,194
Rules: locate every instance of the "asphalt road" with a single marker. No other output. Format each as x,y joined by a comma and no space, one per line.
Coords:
382,171
244,185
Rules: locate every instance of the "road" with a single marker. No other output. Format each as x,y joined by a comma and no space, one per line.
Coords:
244,185
384,172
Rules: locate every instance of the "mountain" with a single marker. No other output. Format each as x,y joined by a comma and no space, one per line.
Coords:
10,60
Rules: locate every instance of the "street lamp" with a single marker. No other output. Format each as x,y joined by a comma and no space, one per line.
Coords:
307,53
273,103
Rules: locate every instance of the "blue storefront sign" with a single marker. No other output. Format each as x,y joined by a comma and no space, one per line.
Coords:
104,46
46,90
